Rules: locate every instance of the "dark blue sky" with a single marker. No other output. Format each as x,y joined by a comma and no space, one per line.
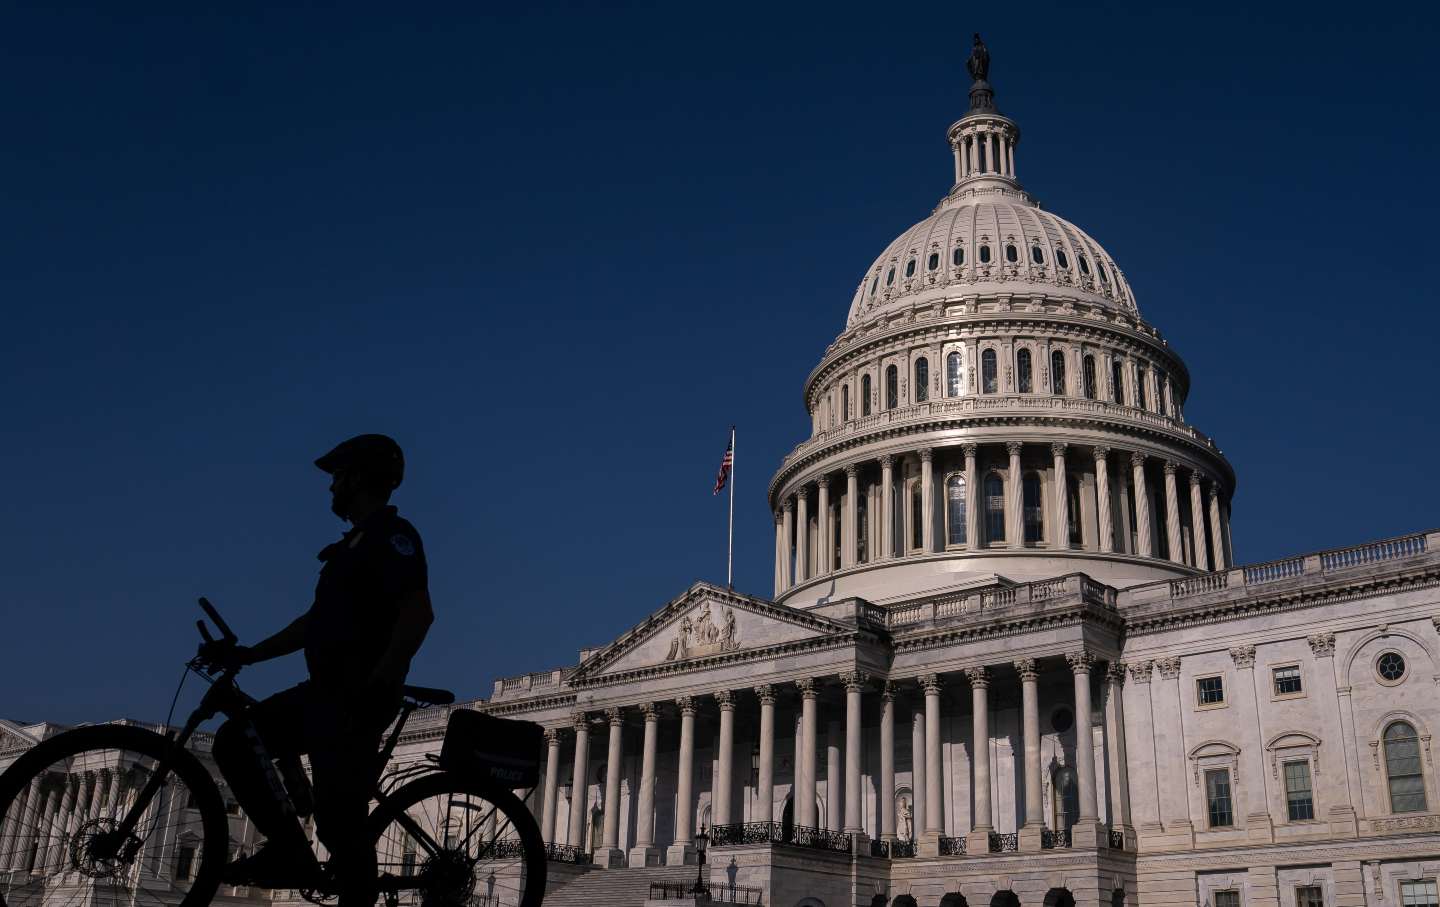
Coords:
558,250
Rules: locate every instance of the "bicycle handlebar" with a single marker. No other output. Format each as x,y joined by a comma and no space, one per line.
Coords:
226,634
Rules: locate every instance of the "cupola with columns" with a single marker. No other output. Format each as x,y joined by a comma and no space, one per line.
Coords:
995,408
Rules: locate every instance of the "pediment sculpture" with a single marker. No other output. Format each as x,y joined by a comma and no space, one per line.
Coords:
704,636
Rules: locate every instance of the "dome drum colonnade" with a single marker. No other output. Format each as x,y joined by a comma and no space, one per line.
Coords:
845,801
995,391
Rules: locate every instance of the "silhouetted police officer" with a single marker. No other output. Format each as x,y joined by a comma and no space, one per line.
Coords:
371,613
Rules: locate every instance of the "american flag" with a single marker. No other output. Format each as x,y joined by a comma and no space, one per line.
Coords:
726,463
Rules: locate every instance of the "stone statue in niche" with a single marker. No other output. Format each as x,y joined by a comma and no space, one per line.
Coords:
904,819
704,636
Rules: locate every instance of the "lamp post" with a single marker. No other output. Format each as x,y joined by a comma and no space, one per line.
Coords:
702,840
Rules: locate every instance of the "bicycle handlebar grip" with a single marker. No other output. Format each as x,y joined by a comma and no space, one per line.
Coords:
204,631
214,615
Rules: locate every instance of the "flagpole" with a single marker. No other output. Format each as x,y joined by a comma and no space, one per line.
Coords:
730,557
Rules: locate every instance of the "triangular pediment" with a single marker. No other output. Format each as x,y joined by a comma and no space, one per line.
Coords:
704,623
13,736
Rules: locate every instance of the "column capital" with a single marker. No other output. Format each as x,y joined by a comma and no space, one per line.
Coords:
1243,656
779,518
1080,661
1137,458
1322,645
1100,451
926,454
615,717
766,693
823,482
552,736
802,493
1171,467
1196,478
932,683
969,450
788,505
888,691
851,470
1057,448
650,710
887,461
581,721
1169,666
978,676
1025,667
807,688
686,704
855,681
725,699
1115,673
1140,671
1013,447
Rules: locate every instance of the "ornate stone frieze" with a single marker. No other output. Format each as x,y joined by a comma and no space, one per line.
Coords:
979,678
1406,823
1169,666
1080,661
1243,656
1322,645
855,681
1025,667
704,636
765,693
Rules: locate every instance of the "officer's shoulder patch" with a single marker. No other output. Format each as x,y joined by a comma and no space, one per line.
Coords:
402,544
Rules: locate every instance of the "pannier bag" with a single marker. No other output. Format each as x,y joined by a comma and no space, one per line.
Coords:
507,752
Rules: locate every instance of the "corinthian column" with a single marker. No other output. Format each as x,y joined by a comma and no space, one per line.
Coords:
805,807
927,499
851,534
681,849
980,761
973,497
1119,766
802,535
855,682
1062,496
886,794
720,809
825,562
552,784
934,769
579,782
766,787
787,533
1172,515
1087,831
645,853
1142,506
887,506
1197,522
1015,519
1217,536
611,856
1030,722
1102,499
917,774
779,552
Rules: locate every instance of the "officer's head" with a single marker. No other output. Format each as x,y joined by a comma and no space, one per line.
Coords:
364,470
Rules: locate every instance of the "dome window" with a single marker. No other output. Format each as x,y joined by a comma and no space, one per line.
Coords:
890,277
1037,255
892,387
865,395
984,255
1057,373
910,268
1087,372
922,380
1012,254
988,380
1061,258
959,256
1084,264
874,284
933,262
1104,275
952,374
1117,382
1024,372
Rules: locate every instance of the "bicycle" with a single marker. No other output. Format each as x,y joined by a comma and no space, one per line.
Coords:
133,810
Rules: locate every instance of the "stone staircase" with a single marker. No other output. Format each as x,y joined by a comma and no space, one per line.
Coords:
615,887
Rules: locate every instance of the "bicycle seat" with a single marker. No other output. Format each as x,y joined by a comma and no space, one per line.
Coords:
427,695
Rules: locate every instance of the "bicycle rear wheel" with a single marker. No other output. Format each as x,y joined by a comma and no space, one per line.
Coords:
444,840
61,806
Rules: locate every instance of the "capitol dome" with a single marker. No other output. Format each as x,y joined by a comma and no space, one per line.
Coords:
995,410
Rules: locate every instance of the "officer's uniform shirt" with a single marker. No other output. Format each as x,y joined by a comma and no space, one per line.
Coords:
363,579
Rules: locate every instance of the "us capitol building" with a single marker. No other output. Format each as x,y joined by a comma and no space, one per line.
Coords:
1009,659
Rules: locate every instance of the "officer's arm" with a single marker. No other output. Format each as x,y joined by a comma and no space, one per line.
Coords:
411,624
290,639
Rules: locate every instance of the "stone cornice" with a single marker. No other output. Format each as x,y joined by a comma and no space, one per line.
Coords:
851,637
924,638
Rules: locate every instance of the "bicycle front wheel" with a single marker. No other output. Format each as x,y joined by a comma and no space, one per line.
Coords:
444,840
62,805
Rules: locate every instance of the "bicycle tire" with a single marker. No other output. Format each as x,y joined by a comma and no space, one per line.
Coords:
214,826
506,803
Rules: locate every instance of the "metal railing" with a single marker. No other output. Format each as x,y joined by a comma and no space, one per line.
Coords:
1004,843
1117,839
893,850
996,598
1053,838
777,833
724,894
952,847
564,853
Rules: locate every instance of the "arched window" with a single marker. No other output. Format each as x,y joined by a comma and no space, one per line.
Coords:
1117,381
1084,264
1087,376
933,261
955,510
1072,508
1034,503
1023,371
1142,399
1037,255
890,277
994,508
1012,254
910,268
1104,275
1057,373
874,284
989,383
917,516
892,387
1402,768
984,255
953,374
922,380
864,395
1061,258
958,256
845,403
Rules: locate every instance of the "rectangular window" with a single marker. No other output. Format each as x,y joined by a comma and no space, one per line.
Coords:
1299,800
1217,798
1227,898
1210,690
1287,680
1419,893
184,860
1309,896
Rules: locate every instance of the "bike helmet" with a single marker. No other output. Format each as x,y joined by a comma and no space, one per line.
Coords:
372,452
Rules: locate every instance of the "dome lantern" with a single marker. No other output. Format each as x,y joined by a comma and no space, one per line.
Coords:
983,141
